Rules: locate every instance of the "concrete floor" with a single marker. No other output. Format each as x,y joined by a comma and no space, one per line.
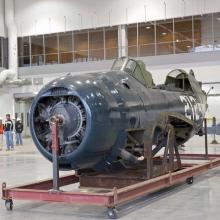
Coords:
198,201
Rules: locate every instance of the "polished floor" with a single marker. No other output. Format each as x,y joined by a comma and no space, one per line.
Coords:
199,201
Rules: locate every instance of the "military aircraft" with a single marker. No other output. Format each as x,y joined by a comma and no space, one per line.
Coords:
108,117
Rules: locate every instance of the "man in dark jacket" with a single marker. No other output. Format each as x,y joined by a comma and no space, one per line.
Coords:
18,131
8,129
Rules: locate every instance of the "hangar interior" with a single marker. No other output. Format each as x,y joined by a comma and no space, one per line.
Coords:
43,40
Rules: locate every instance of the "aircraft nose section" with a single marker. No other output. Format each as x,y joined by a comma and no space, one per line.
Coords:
73,114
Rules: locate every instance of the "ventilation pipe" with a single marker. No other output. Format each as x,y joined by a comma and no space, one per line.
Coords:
12,35
10,76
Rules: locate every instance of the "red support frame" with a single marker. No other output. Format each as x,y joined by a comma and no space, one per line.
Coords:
40,191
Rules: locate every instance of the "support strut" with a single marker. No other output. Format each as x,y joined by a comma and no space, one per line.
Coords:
54,126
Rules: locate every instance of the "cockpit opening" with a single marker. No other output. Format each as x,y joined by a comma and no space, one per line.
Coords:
179,80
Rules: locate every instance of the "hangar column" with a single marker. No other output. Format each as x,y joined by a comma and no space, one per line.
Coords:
12,35
122,41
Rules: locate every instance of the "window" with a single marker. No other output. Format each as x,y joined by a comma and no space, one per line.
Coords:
119,63
197,31
134,69
164,37
132,40
138,75
3,52
23,46
37,50
130,66
66,47
24,51
51,49
183,36
96,45
111,43
203,33
81,46
146,39
216,27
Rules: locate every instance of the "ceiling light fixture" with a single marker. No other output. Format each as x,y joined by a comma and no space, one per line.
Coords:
164,33
148,27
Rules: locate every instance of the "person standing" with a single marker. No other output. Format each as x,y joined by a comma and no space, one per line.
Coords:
18,131
13,132
8,129
1,133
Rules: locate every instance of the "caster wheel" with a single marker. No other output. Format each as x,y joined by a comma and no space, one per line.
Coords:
9,204
189,180
112,213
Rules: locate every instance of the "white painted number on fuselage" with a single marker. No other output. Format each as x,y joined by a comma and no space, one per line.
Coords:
193,109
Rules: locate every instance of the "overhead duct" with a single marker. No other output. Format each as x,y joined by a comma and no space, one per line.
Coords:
8,78
7,75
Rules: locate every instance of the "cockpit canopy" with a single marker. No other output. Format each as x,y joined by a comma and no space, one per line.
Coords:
135,68
179,79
